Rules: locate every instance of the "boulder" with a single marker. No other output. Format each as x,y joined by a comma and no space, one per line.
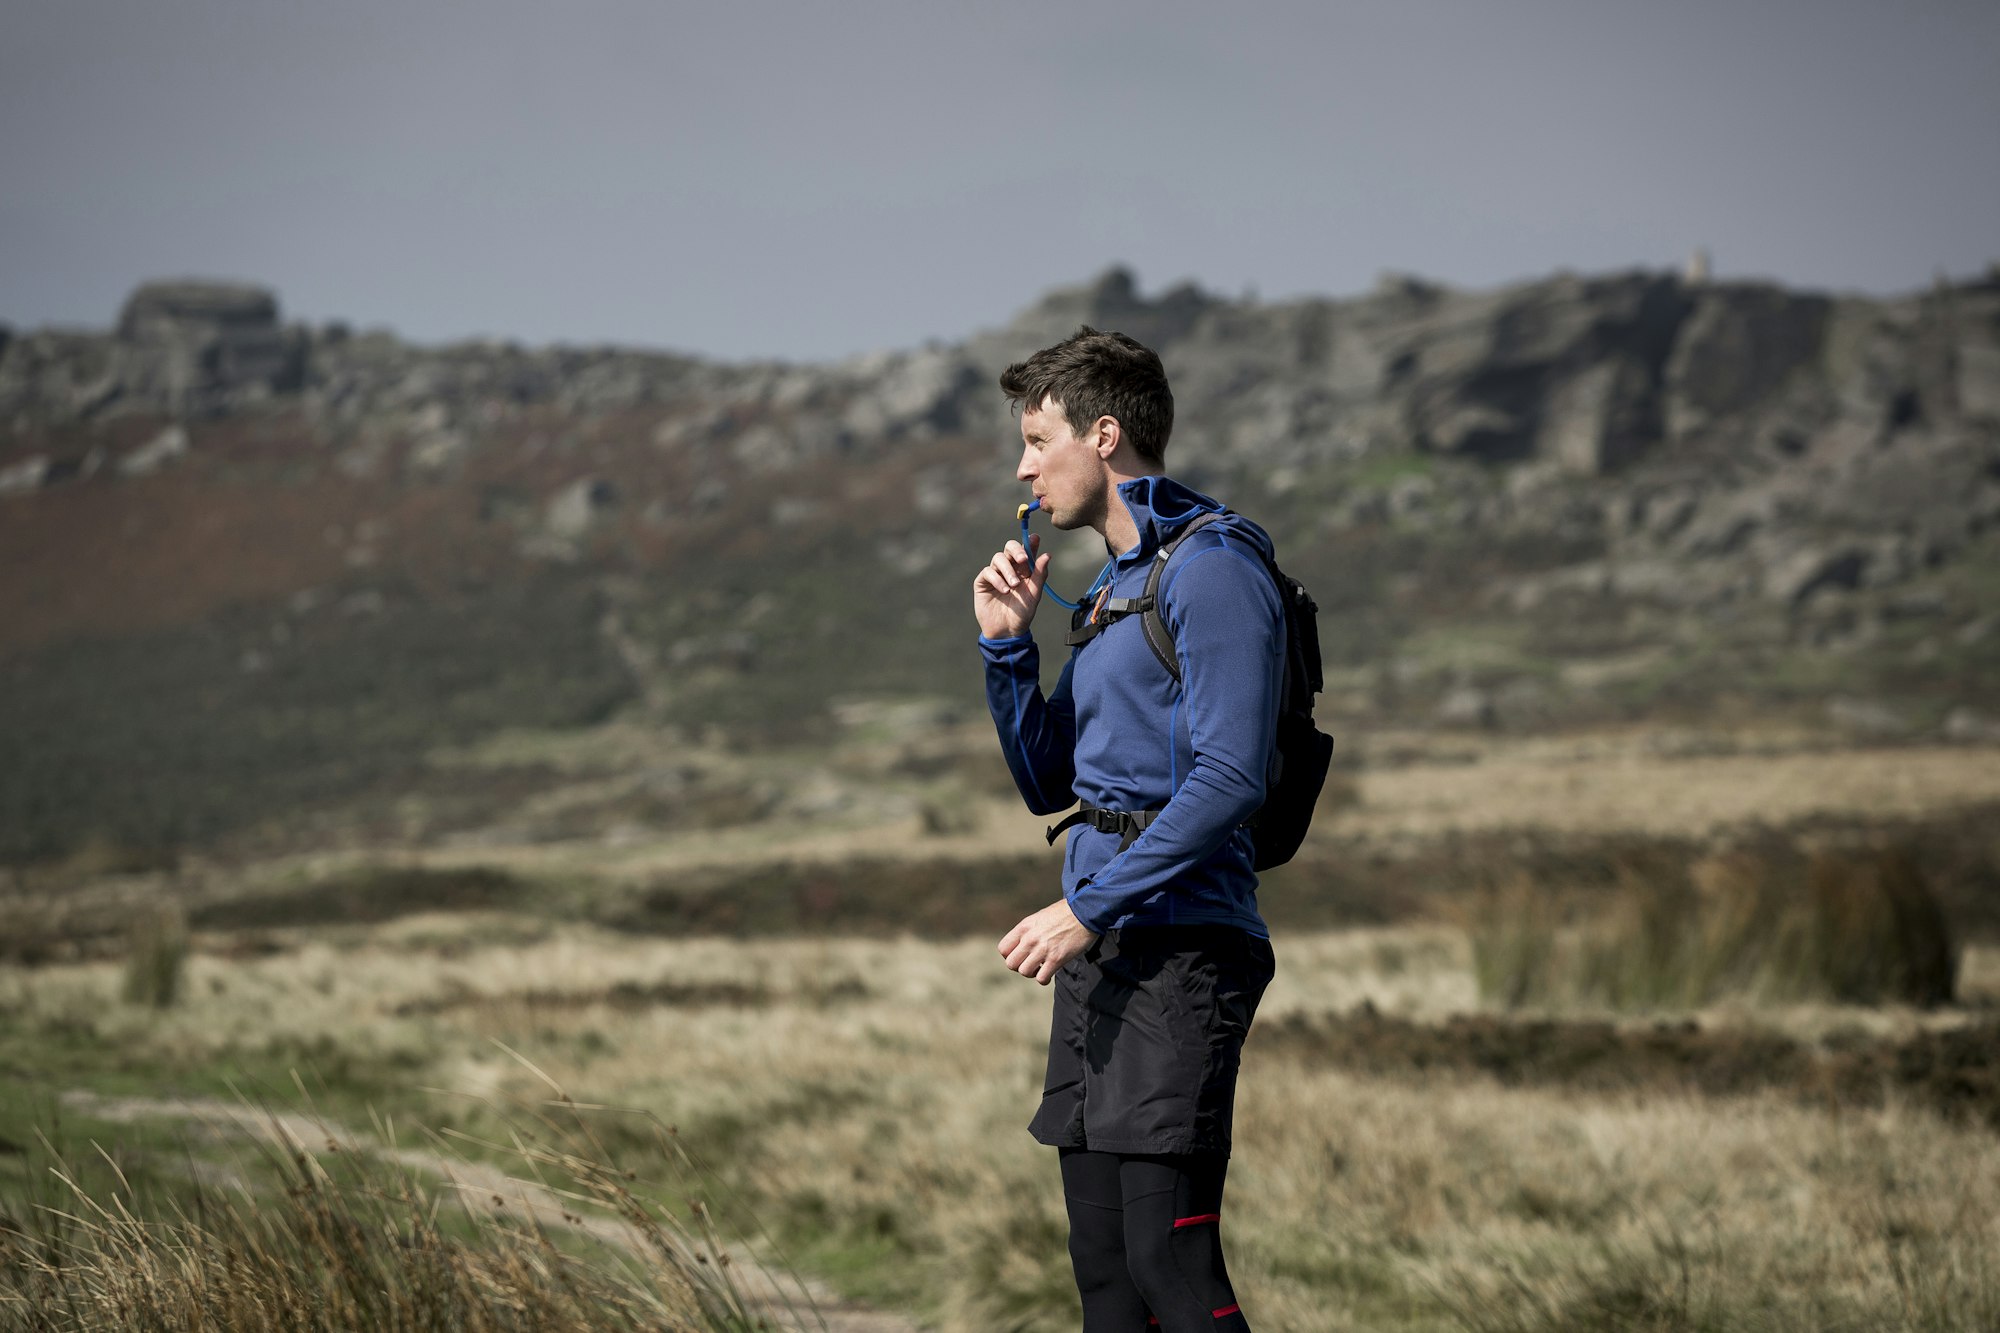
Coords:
1977,359
1979,380
25,476
436,452
1467,706
1478,430
1738,349
729,650
1977,629
1798,574
1566,370
916,396
196,340
1599,418
572,510
149,457
160,311
1726,524
1109,301
1866,717
1969,726
765,446
1654,515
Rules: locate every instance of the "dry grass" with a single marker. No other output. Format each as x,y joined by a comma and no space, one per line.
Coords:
341,1237
1636,783
158,954
1533,1209
865,798
866,1099
1765,919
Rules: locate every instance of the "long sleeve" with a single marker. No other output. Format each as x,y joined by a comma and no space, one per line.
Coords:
1222,606
1038,735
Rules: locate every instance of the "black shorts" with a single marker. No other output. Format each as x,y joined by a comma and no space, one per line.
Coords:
1146,1039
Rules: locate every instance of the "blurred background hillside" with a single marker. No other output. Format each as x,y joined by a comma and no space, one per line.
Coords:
400,467
253,567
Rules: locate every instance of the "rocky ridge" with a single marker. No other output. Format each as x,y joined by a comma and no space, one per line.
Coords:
1631,440
1773,443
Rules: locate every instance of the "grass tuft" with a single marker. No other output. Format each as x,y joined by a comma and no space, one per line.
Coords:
158,957
1766,919
351,1236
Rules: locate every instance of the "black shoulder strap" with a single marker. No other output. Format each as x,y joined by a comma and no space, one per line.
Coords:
1090,620
1154,621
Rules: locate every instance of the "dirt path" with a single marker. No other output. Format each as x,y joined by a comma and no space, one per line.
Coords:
767,1293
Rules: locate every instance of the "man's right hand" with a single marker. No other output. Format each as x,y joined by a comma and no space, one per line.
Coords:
1009,588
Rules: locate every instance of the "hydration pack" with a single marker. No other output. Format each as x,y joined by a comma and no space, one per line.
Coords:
1300,752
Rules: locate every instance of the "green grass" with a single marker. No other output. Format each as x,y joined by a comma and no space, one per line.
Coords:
1380,471
114,1215
335,1237
1490,652
868,1255
40,1060
162,741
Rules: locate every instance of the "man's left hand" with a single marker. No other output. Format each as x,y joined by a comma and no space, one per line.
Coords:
1043,942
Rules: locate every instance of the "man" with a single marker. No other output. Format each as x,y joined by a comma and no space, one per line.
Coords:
1156,950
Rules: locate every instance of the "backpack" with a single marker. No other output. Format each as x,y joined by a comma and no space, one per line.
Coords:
1301,752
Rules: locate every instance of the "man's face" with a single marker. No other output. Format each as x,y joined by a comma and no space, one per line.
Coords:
1063,471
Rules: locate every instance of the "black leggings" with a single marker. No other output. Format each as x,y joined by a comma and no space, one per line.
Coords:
1145,1240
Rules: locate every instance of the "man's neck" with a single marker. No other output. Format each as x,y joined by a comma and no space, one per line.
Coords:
1119,531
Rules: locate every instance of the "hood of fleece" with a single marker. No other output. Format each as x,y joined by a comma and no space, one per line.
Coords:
1161,507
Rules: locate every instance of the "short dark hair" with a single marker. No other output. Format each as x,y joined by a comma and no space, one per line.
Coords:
1094,375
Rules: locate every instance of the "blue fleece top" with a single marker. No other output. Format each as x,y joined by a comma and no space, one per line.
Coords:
1117,732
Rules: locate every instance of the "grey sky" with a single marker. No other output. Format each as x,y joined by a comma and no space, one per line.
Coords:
809,181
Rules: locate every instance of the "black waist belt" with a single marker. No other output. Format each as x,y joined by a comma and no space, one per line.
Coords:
1129,824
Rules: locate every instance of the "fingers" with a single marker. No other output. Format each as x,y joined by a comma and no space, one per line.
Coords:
1004,574
1022,954
1022,949
1018,561
1003,565
1035,961
1038,564
1012,565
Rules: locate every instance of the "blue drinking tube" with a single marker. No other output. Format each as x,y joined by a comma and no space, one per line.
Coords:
1103,574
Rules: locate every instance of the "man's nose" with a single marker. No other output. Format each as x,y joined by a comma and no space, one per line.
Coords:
1025,469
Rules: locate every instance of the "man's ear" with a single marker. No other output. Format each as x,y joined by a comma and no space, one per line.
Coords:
1108,433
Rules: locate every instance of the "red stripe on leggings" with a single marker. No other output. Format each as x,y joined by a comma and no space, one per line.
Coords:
1227,1309
1197,1220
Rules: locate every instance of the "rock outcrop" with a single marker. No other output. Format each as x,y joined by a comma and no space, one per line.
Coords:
1682,443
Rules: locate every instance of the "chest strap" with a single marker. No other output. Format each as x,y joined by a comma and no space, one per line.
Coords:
1129,824
1087,622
